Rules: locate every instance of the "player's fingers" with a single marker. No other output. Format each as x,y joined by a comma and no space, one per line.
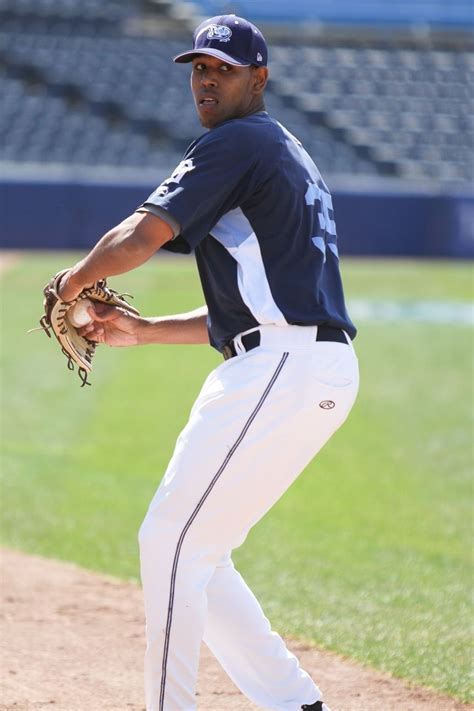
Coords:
67,291
101,312
94,331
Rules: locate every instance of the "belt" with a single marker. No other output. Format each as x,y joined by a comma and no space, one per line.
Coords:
251,340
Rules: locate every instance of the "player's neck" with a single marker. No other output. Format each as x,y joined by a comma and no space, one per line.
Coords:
255,109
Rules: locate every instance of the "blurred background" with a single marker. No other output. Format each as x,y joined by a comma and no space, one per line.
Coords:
94,114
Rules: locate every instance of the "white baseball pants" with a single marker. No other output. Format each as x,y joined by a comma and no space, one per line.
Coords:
257,422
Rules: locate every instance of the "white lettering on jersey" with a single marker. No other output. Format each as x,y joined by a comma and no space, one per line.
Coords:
315,194
177,175
180,171
318,192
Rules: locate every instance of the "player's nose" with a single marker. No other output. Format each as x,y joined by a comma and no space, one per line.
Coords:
208,78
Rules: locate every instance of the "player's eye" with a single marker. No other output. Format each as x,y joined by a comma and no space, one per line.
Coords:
201,67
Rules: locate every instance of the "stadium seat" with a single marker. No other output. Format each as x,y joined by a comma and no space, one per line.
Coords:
109,96
455,13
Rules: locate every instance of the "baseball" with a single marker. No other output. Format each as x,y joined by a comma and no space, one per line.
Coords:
78,315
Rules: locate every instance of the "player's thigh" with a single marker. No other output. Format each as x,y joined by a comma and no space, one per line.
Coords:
227,407
253,429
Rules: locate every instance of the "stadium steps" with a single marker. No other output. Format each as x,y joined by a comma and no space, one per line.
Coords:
39,128
155,131
403,115
188,13
455,13
314,108
98,11
406,106
122,79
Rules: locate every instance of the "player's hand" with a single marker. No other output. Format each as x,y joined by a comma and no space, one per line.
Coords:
112,325
69,288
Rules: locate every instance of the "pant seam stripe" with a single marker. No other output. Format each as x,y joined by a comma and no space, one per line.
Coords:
195,513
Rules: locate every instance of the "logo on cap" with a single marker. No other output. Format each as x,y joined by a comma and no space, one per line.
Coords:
259,57
219,32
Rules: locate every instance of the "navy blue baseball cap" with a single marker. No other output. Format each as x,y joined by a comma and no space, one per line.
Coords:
230,38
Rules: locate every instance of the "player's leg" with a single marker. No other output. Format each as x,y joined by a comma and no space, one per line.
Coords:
254,427
178,553
237,630
255,657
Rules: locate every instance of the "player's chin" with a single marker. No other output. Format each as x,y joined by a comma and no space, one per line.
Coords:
206,121
208,118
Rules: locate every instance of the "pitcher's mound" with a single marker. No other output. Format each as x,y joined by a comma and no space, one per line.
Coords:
72,640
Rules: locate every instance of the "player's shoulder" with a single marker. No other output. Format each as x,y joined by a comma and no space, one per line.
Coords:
258,127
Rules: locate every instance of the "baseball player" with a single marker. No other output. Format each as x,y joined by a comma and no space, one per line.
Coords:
250,203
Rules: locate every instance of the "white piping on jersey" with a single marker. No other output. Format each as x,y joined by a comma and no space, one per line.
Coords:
235,233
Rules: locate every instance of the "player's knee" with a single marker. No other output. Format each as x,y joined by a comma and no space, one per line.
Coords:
149,533
157,533
142,534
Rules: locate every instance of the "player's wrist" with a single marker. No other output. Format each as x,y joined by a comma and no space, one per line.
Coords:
146,331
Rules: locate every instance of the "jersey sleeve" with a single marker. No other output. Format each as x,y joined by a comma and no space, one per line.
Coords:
217,173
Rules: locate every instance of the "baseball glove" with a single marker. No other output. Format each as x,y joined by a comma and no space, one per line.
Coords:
78,350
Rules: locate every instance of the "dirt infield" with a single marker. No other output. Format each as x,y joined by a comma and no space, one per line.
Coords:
72,640
7,260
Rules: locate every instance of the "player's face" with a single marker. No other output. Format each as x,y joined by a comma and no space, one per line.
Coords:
223,91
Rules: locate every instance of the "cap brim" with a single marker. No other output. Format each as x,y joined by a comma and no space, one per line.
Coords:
189,56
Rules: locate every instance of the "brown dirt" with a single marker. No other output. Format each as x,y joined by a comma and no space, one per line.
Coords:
7,260
72,640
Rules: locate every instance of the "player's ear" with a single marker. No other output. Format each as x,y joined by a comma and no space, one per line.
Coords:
260,78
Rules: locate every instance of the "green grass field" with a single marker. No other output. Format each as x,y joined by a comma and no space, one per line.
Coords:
368,554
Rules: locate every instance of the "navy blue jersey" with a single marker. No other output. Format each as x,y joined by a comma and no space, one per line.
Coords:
250,202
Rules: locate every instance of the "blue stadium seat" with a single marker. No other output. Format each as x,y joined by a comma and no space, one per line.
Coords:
70,9
451,13
43,129
407,108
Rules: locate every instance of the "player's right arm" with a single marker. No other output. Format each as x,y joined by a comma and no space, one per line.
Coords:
124,247
116,327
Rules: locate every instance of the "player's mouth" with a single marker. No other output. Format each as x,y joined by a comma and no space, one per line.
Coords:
209,109
208,102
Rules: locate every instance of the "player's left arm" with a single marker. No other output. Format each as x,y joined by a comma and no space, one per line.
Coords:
117,327
124,247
